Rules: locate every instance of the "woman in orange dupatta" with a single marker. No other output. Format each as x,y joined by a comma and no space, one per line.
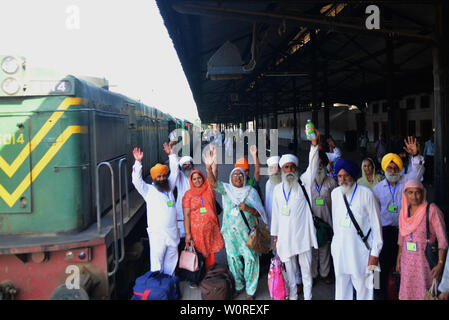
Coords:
416,275
200,218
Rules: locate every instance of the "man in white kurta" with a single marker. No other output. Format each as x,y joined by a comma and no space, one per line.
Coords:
181,170
351,256
162,229
292,223
273,180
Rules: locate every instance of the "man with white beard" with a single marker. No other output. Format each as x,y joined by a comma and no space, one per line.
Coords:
322,208
292,222
389,194
357,240
274,178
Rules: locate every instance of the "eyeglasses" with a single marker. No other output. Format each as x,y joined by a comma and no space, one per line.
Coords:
238,175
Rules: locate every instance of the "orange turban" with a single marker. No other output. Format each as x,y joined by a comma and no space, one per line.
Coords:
242,163
157,170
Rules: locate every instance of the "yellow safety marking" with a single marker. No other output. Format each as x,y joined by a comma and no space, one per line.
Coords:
10,170
12,198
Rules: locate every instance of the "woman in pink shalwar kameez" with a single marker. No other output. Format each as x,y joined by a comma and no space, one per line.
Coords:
416,276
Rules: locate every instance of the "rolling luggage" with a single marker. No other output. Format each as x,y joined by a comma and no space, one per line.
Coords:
218,283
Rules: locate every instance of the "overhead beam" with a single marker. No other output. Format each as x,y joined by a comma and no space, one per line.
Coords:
194,8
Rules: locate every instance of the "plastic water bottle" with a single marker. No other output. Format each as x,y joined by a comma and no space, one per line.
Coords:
310,131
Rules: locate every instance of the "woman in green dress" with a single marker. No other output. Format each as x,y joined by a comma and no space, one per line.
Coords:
238,197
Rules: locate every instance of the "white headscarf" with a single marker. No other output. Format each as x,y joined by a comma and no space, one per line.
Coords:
246,192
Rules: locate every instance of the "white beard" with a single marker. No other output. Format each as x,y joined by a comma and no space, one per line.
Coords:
290,180
345,188
320,176
392,177
275,179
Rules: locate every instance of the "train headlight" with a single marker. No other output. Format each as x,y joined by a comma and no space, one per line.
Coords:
10,65
10,86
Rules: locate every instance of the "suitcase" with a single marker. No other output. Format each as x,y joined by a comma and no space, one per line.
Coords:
218,283
156,286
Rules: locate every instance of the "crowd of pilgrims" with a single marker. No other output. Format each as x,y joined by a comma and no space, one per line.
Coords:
378,220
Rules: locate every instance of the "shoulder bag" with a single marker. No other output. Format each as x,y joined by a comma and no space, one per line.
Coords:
259,239
431,250
324,232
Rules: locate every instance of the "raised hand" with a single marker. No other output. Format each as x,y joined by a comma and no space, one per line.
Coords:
317,136
253,151
210,155
167,148
411,146
138,155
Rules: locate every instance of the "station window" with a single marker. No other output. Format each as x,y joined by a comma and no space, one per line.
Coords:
376,130
425,102
410,103
412,128
375,108
385,107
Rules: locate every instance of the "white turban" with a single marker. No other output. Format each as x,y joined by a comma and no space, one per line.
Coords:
273,160
286,158
185,159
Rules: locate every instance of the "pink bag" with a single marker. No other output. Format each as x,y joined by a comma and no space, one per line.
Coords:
277,285
188,259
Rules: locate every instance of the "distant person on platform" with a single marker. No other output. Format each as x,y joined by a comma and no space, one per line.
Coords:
363,143
162,229
389,194
292,223
429,154
381,147
334,154
354,257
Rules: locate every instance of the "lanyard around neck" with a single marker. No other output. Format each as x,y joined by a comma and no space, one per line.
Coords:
286,197
394,190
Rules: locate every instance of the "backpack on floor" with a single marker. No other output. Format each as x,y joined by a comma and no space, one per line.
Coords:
218,283
277,286
156,286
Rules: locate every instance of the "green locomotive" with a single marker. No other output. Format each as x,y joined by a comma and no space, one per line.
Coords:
65,161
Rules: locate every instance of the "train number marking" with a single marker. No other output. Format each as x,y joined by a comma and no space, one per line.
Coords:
10,138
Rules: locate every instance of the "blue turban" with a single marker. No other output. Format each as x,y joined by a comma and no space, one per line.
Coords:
349,166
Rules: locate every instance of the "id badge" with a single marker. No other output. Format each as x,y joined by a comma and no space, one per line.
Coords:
170,203
319,202
235,212
392,208
285,211
203,209
345,222
412,246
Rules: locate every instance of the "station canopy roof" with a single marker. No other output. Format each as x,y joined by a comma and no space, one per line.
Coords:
273,55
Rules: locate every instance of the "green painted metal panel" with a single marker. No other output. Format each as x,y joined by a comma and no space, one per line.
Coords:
15,165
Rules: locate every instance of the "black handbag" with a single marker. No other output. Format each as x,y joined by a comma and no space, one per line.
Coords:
324,232
431,250
193,276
